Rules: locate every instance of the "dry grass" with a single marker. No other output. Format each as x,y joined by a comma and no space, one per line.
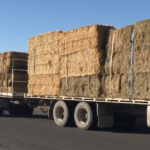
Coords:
91,61
6,77
63,55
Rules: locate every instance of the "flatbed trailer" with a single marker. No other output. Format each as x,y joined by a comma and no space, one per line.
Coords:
88,112
105,44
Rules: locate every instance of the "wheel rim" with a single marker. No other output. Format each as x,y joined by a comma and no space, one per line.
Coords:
60,113
82,116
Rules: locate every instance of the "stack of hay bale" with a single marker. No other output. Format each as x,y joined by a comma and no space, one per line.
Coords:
6,77
44,63
116,74
67,63
92,61
141,60
82,61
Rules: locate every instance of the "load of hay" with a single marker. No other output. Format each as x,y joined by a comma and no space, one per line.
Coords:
92,61
7,63
116,74
67,63
141,60
44,63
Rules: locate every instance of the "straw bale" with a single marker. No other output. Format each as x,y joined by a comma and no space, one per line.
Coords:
79,86
44,69
111,87
140,86
141,53
44,84
120,42
125,86
141,61
122,39
141,47
119,50
76,53
81,63
6,62
91,86
1,83
85,37
142,33
12,54
46,43
115,86
120,63
2,76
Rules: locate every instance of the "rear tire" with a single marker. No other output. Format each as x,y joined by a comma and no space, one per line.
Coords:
83,116
61,113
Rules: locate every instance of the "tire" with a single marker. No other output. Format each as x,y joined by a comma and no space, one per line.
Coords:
50,111
83,116
1,111
61,113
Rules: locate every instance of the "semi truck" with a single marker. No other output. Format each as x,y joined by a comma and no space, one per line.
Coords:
87,76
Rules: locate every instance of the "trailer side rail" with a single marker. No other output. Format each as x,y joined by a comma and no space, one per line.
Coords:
13,93
88,99
13,70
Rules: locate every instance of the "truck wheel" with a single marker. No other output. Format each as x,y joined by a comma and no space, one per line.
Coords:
50,110
83,116
61,113
1,111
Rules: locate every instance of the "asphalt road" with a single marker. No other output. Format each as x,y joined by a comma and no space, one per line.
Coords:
40,133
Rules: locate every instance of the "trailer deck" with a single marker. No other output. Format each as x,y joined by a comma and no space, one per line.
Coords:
88,99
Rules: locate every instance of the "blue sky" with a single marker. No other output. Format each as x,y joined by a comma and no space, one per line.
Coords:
21,19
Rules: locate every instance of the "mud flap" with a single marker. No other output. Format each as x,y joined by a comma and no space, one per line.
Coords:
105,115
148,116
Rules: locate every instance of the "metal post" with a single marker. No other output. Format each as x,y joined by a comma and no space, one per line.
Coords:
12,75
131,65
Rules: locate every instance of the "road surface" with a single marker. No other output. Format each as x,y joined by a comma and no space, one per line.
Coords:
40,133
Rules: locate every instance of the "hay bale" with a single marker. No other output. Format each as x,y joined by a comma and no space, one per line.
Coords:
81,86
79,62
116,70
6,66
125,86
141,56
142,33
139,86
111,87
83,60
141,46
44,64
44,84
70,56
119,49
